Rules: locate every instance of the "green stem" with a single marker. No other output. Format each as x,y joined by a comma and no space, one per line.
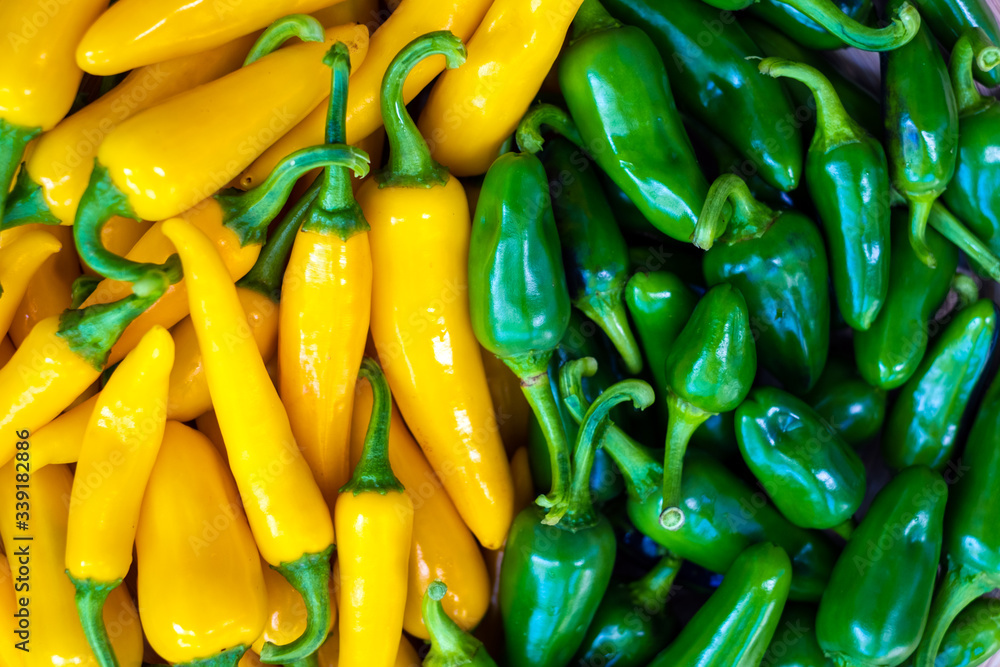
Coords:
529,130
592,17
302,26
949,227
683,421
308,661
920,210
608,311
533,372
967,289
310,576
26,204
653,590
450,645
90,598
845,529
749,217
82,288
410,162
249,213
93,331
967,95
959,588
229,658
825,12
373,472
13,140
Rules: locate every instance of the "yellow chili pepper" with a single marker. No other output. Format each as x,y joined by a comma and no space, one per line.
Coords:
6,350
21,259
38,72
50,290
9,656
53,633
473,109
289,518
119,448
374,519
442,546
329,653
201,590
286,611
60,440
420,313
208,425
351,11
411,19
512,409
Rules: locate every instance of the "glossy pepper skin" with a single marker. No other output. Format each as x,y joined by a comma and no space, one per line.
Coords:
794,642
286,612
803,29
735,626
848,177
715,82
616,87
103,517
875,607
950,19
201,600
923,426
424,329
50,290
451,646
973,637
921,128
22,259
849,405
778,262
890,351
810,473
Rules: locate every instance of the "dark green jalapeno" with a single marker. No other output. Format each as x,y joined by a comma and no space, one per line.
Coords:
848,405
803,29
950,19
972,638
450,644
794,643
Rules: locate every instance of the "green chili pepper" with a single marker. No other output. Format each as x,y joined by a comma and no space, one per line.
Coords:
889,352
875,606
924,422
794,643
847,404
554,576
518,299
748,112
734,627
450,645
847,175
629,217
709,370
950,19
632,624
972,538
810,473
921,128
803,29
594,250
778,262
972,638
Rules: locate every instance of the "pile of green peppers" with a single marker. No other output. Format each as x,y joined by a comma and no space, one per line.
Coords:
795,275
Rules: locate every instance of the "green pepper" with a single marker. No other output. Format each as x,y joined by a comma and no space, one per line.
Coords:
974,193
518,300
849,405
618,93
875,606
778,262
889,352
810,473
594,250
972,537
924,422
553,576
632,624
921,128
972,638
950,19
451,646
803,29
848,179
794,643
747,111
629,217
709,370
734,627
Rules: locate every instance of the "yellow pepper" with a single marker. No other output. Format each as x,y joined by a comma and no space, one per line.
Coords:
442,546
6,350
329,653
9,656
50,290
420,313
38,72
119,448
60,440
374,519
54,635
21,259
351,11
289,518
201,590
473,109
208,425
410,19
286,611
512,409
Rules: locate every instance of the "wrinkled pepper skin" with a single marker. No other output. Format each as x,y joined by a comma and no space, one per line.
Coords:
735,626
714,81
794,643
890,351
950,19
803,29
810,473
923,425
617,90
875,607
849,405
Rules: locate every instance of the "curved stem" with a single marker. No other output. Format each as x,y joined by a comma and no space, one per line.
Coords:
845,529
450,645
26,204
959,588
82,288
684,419
93,331
90,599
13,140
920,210
410,162
230,658
949,227
825,12
302,26
310,576
529,130
967,95
608,311
373,472
967,289
653,590
592,17
749,217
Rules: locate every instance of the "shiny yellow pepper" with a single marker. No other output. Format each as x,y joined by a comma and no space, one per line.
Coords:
286,611
50,290
351,11
60,440
201,590
21,259
329,653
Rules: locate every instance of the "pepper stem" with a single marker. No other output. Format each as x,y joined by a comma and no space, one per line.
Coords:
308,661
529,130
229,658
13,140
967,289
949,227
920,210
310,576
653,590
90,598
845,529
960,587
592,17
410,162
93,331
533,372
373,472
302,26
608,311
825,12
967,96
684,419
26,203
749,217
450,645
